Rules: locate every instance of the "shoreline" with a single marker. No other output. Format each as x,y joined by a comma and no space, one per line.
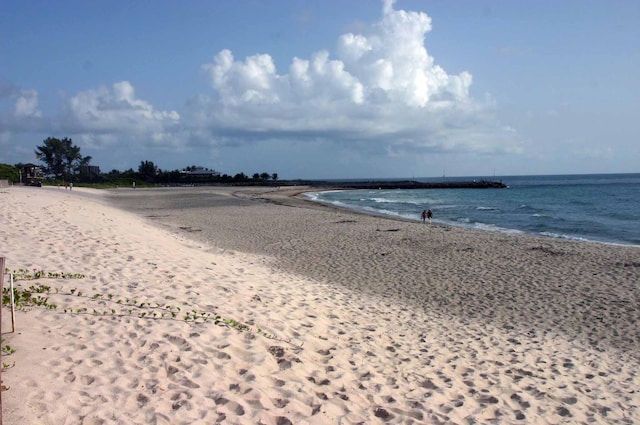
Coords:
492,228
373,319
292,197
409,242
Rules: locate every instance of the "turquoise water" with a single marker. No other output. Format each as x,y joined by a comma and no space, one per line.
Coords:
597,208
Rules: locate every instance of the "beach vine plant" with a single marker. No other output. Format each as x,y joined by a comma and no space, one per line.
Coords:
112,305
7,350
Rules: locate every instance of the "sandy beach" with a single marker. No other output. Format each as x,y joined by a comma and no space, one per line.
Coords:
252,305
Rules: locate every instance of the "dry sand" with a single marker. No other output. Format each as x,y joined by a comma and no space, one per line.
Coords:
368,320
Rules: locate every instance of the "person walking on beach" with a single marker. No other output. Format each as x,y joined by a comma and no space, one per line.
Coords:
429,215
424,215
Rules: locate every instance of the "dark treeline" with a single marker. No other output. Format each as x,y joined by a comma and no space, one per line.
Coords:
142,176
149,173
61,162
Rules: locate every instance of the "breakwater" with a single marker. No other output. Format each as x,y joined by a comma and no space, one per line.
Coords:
409,184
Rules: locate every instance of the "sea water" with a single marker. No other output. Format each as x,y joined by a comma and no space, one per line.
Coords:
598,208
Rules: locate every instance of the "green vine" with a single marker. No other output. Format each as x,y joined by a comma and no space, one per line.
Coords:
38,296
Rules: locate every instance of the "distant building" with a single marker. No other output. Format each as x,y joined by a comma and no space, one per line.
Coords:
90,170
199,175
201,172
31,175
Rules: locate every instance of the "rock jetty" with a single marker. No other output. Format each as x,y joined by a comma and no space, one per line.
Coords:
410,184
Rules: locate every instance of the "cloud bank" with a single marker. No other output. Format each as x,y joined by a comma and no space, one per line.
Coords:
379,92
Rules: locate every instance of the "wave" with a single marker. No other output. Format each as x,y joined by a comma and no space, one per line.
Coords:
467,223
316,196
566,237
494,228
400,200
382,200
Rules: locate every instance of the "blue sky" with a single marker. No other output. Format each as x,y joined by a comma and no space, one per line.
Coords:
326,88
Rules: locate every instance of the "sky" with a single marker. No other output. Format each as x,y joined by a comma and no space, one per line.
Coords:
319,89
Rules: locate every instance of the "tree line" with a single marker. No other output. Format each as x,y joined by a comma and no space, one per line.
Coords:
62,162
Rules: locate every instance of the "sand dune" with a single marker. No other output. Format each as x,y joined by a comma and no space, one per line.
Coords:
351,319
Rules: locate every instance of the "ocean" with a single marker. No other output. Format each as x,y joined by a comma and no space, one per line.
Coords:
601,208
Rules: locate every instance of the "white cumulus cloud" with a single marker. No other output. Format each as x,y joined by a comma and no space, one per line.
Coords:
381,88
27,104
102,113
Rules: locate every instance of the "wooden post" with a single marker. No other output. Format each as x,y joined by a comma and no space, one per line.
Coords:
13,305
1,286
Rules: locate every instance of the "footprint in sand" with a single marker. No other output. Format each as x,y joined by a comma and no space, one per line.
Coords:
281,402
221,355
92,420
231,406
142,400
87,380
